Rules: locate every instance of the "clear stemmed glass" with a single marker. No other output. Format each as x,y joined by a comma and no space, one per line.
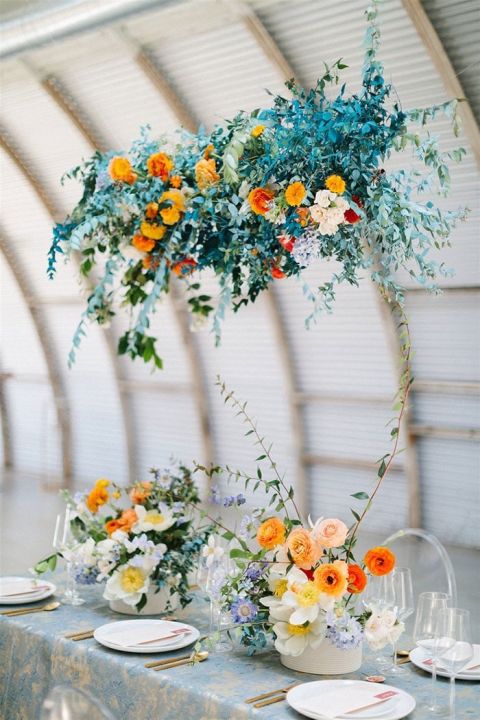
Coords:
64,542
426,636
379,595
455,645
218,621
402,587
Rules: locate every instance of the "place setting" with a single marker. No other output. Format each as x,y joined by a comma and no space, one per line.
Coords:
22,591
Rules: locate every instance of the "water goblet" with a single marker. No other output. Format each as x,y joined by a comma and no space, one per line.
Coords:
64,542
379,596
402,586
455,645
426,634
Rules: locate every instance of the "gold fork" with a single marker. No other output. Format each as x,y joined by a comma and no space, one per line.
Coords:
272,692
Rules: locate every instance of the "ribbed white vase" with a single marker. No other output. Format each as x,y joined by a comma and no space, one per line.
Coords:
157,603
325,659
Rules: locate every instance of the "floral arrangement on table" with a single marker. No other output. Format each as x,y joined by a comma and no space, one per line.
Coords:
138,538
259,199
299,581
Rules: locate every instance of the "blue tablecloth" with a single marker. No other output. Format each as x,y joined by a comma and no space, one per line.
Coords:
34,657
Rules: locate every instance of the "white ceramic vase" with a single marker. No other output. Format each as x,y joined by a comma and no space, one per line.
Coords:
157,604
325,659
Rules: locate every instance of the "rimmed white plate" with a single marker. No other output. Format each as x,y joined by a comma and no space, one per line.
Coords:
105,636
419,655
27,598
395,709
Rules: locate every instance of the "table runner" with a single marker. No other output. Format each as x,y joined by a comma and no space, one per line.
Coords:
34,657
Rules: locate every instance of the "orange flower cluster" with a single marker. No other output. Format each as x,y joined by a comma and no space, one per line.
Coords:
336,184
142,243
140,492
184,267
159,165
98,496
295,194
206,173
357,579
260,199
332,578
379,561
271,533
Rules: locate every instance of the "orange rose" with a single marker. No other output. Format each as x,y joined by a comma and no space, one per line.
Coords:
174,196
260,199
125,522
277,273
120,169
140,492
271,533
184,267
98,496
170,215
303,549
295,194
303,216
151,211
159,165
176,181
332,578
335,184
152,230
142,243
357,579
379,561
206,173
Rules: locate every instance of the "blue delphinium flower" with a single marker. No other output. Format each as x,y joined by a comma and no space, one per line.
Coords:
254,571
344,632
86,574
215,497
234,500
243,610
306,248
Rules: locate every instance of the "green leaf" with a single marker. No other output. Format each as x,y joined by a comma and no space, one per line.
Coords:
360,495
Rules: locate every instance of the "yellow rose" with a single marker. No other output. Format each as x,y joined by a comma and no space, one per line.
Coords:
335,184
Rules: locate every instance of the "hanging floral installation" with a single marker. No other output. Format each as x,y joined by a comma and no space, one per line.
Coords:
259,199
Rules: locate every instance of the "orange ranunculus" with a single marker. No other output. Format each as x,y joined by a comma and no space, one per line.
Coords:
150,262
176,181
159,165
277,273
206,173
125,522
174,196
152,230
257,131
208,151
271,533
140,492
98,496
303,216
120,168
295,194
170,215
379,560
332,578
260,199
151,211
304,550
335,184
142,243
184,267
357,579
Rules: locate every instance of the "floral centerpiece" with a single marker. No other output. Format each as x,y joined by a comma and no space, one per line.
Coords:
259,199
142,540
299,581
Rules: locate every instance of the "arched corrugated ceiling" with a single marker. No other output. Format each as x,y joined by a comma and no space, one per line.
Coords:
83,74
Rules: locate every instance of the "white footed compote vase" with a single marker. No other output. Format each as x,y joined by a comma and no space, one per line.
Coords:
325,659
158,603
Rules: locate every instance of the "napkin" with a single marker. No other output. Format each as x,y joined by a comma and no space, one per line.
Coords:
131,636
19,587
332,703
472,664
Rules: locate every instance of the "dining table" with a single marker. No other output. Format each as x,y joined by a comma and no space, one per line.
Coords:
35,656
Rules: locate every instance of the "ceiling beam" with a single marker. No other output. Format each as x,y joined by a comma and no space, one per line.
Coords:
67,104
265,41
46,343
441,61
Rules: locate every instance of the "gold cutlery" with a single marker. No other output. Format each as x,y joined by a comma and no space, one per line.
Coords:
194,657
26,611
79,635
167,661
271,701
272,692
403,653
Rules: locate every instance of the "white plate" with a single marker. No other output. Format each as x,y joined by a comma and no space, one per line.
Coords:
395,709
419,655
28,597
102,634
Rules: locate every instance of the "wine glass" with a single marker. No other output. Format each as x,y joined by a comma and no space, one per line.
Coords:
455,645
64,542
425,633
219,641
402,587
379,596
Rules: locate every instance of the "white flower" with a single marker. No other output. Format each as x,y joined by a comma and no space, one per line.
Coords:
82,553
335,216
327,228
382,628
318,213
244,189
107,557
341,204
159,520
212,552
293,639
130,581
323,198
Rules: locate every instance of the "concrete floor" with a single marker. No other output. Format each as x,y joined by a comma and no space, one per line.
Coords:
27,519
